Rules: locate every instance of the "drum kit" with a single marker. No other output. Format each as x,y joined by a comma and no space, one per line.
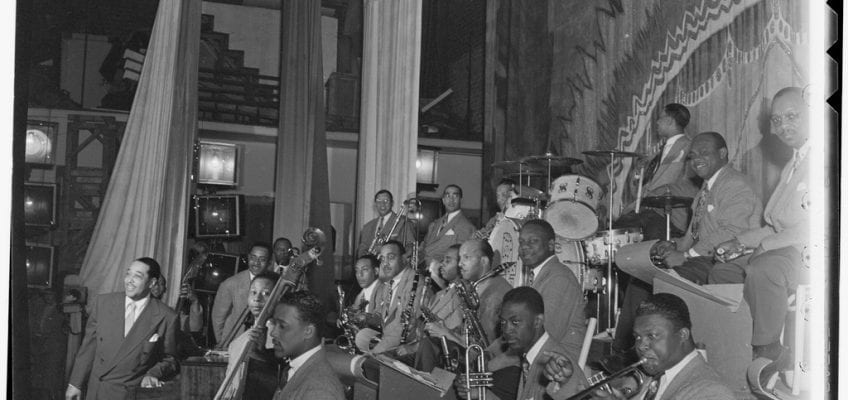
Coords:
571,205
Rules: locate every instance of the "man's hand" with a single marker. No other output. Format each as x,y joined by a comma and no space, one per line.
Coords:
150,382
759,250
674,258
72,393
663,247
187,292
257,336
557,367
730,246
436,329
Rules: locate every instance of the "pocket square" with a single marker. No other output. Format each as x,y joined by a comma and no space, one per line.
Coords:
154,338
710,208
802,186
450,232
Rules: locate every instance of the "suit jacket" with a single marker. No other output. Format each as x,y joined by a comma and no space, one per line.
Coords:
565,306
314,380
360,297
403,232
697,381
230,301
787,213
533,385
491,293
732,207
675,172
392,326
446,305
112,363
436,242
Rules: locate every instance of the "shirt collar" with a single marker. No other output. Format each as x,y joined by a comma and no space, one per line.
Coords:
387,217
366,292
538,269
537,347
670,141
452,215
139,304
713,178
396,280
670,373
801,153
298,361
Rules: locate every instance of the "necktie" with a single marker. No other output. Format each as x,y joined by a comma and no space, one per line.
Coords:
796,161
442,226
530,277
700,209
387,299
284,376
653,388
653,165
525,370
379,227
129,318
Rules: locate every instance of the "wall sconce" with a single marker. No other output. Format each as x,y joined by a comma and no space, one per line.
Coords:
426,164
217,164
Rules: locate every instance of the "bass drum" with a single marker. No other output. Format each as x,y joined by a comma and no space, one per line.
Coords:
570,253
504,242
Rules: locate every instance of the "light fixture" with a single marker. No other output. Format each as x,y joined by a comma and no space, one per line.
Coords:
217,163
427,164
40,142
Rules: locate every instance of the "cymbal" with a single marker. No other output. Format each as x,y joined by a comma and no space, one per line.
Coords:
547,159
608,153
530,192
507,164
666,201
526,173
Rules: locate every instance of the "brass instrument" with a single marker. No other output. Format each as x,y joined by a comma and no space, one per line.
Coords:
348,327
450,363
313,239
428,316
470,303
722,256
604,382
380,240
480,379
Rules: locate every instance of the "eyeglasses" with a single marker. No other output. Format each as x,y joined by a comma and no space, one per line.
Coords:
382,201
789,118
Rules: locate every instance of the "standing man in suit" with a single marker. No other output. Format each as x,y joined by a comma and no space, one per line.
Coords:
665,173
556,283
775,267
231,299
725,206
382,225
130,339
296,329
451,228
283,254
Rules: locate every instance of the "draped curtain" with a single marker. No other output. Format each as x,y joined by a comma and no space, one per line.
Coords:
388,135
610,68
144,211
302,194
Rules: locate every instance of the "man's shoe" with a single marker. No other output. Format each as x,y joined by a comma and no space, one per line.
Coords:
764,373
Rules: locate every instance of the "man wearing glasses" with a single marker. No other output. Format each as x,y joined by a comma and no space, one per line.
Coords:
381,227
232,296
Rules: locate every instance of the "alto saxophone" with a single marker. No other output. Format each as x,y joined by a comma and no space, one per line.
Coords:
348,326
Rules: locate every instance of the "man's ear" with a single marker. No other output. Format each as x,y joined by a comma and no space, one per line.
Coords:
552,244
152,282
684,333
723,152
539,322
310,331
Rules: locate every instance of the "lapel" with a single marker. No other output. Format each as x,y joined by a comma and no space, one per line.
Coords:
304,370
142,330
674,152
682,377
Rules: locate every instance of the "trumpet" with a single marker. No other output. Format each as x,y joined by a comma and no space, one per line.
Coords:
605,380
477,380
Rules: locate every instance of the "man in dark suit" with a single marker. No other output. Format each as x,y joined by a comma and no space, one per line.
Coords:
725,206
665,173
451,228
382,225
130,339
296,329
232,295
522,319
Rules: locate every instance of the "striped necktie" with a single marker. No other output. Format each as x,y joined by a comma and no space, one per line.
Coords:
129,318
653,388
700,210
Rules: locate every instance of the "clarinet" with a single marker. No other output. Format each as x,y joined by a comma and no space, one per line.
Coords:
406,316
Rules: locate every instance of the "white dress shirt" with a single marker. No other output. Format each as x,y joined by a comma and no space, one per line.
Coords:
673,371
298,361
139,306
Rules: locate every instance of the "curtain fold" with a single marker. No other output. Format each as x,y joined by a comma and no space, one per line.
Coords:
144,210
301,190
388,134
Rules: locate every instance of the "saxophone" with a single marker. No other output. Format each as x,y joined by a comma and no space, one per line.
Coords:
348,327
471,303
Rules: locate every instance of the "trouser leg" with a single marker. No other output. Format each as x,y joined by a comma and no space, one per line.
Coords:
769,279
696,269
730,272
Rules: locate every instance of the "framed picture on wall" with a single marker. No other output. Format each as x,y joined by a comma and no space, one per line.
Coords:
217,164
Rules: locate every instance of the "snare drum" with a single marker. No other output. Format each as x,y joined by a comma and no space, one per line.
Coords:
570,253
504,242
597,247
576,188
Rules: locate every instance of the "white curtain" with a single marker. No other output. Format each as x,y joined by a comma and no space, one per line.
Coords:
144,211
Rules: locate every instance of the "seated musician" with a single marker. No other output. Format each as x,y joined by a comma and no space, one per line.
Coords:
504,193
664,340
262,366
296,330
775,266
382,225
555,282
231,298
522,320
445,306
725,206
366,270
399,302
283,254
666,173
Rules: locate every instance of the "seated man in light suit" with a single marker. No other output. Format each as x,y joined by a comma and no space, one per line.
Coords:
130,339
452,228
775,267
232,295
725,206
383,224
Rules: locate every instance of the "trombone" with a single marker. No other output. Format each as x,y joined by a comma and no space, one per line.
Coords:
603,382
